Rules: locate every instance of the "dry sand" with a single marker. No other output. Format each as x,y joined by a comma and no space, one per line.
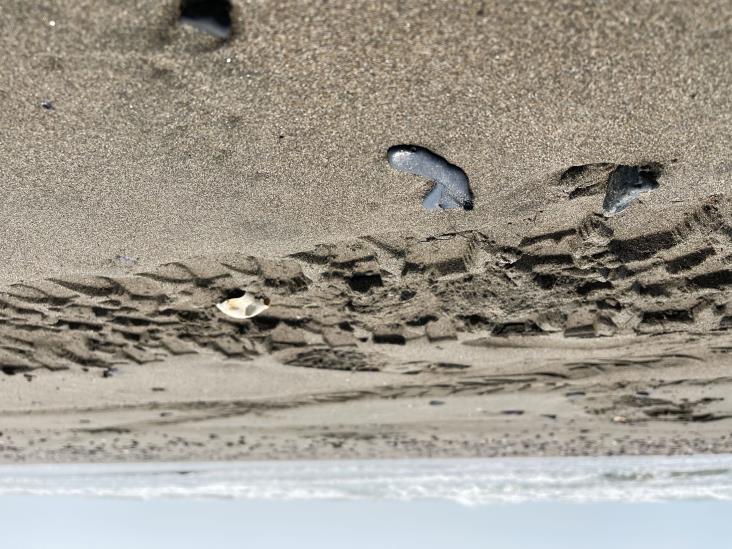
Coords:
173,168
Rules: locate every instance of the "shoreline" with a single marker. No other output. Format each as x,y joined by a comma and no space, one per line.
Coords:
471,482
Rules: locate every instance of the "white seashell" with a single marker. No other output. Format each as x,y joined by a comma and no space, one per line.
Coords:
245,306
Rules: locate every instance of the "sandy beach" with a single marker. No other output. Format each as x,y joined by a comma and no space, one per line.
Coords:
150,171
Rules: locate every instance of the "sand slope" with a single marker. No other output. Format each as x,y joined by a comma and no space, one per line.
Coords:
161,149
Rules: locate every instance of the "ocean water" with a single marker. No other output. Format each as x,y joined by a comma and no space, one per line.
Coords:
568,503
465,481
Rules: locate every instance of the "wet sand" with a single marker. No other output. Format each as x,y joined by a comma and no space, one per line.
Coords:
169,168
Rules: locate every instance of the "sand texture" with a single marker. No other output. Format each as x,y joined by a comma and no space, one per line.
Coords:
150,171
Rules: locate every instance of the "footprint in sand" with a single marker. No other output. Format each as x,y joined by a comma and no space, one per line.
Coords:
452,187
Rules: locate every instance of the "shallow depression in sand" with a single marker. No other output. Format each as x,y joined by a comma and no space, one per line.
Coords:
210,16
452,187
625,185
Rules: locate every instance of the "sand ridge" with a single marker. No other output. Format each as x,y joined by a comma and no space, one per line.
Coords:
365,339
